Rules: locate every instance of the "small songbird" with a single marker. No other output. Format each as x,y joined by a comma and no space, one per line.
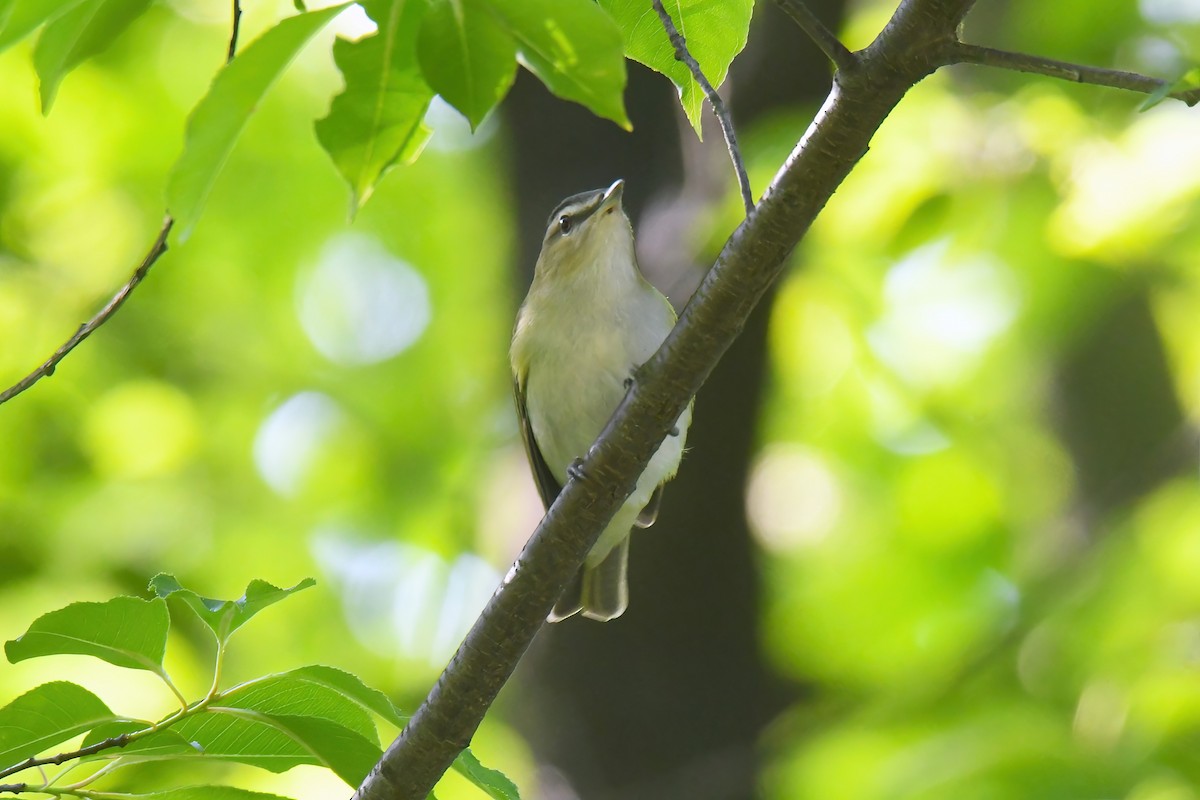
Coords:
589,321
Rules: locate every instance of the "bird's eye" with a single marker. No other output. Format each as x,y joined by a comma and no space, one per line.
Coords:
564,223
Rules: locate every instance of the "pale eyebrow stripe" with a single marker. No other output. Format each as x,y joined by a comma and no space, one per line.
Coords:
579,206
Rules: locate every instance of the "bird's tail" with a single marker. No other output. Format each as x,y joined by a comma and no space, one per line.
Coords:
600,591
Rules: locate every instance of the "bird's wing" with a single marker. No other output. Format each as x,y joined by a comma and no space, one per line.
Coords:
547,485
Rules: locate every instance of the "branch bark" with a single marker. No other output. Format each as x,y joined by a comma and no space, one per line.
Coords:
750,262
962,53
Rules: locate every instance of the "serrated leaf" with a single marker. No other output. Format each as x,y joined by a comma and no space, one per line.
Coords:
223,617
715,34
78,35
349,687
205,793
573,47
493,783
309,692
23,17
466,56
125,631
219,117
45,716
374,120
278,742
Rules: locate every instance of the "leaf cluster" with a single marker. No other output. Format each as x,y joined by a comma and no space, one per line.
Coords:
314,715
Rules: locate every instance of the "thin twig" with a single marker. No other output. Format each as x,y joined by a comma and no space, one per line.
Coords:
718,105
233,37
960,53
822,37
86,329
29,763
156,250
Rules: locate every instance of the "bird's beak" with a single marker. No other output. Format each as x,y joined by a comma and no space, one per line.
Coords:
612,195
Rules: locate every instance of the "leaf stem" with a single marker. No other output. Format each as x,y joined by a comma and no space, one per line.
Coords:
718,105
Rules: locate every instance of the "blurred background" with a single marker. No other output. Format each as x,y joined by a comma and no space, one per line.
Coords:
938,531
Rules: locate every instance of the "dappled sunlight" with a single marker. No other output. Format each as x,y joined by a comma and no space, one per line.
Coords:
401,600
1127,194
141,429
793,498
290,439
360,304
940,314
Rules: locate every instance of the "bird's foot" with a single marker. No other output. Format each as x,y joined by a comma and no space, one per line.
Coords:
575,470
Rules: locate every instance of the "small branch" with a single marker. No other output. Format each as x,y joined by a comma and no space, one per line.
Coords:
959,53
714,99
233,37
86,329
822,37
61,758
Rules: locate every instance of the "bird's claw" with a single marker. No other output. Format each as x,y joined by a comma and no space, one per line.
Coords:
575,470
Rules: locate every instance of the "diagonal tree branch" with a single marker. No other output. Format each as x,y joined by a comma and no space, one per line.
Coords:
961,53
156,251
750,262
102,316
822,37
718,105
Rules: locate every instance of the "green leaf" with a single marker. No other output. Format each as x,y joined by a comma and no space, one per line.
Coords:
125,631
467,57
219,117
573,47
372,124
493,783
223,617
78,35
46,716
205,793
1186,82
278,742
22,17
311,692
715,34
349,687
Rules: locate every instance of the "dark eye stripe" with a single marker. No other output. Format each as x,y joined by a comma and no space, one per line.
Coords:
579,207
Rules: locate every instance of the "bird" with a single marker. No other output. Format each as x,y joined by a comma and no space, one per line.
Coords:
589,321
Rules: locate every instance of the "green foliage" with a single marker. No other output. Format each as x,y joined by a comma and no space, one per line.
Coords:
45,716
376,121
715,34
125,631
223,617
573,47
219,118
19,18
1189,81
77,35
313,715
467,56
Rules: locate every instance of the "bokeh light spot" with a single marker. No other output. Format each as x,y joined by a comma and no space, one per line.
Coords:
141,429
793,498
290,438
361,304
941,314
